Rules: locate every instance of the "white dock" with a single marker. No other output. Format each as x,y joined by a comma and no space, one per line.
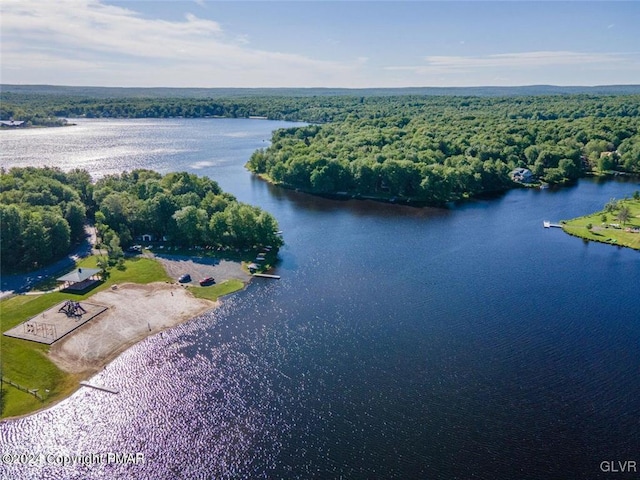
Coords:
96,387
266,275
547,224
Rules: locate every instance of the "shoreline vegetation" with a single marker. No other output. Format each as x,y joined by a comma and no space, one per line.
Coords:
417,146
177,218
437,151
142,301
617,224
43,213
399,146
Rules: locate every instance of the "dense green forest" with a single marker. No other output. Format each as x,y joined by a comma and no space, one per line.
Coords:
406,145
43,212
438,149
317,105
187,209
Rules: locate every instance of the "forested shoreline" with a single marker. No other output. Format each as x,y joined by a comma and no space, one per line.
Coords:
436,150
423,149
43,212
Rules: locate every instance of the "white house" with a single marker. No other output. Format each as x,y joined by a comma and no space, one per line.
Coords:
522,175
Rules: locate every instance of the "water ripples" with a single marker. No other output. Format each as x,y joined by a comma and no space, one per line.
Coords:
399,343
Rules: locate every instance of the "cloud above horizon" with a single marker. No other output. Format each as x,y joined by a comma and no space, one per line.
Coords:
37,36
200,43
522,60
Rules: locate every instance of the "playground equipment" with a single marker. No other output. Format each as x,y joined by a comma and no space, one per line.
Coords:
39,329
72,309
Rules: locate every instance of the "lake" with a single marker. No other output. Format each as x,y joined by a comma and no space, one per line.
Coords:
401,342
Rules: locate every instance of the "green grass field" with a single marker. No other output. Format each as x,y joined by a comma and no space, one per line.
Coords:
26,363
218,290
603,231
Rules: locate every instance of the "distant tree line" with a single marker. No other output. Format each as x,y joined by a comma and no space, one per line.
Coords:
429,149
43,212
315,108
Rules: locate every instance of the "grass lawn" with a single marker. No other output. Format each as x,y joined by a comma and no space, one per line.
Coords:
218,290
603,231
26,363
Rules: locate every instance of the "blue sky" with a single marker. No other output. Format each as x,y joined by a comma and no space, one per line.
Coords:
200,43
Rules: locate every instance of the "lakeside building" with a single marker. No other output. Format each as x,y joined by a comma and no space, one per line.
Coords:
80,279
522,175
12,123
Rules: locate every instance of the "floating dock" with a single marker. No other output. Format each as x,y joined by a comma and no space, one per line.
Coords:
546,224
104,389
266,275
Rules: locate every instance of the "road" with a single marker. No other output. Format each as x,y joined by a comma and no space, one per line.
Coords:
21,283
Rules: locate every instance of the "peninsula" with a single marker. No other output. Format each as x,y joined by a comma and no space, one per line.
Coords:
617,224
190,233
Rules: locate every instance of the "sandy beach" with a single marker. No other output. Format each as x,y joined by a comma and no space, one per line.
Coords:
134,312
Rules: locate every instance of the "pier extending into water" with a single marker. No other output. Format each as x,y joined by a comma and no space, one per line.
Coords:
266,275
546,224
97,387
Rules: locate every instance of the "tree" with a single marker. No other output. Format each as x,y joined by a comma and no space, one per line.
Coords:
114,250
75,215
37,249
606,162
59,235
217,229
611,206
191,224
11,236
624,214
321,180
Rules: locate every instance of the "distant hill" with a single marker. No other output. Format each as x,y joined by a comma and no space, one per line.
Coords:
165,92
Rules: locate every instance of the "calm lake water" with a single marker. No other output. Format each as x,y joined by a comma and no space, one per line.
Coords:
400,343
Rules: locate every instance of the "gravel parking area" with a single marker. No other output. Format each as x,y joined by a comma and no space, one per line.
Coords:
199,268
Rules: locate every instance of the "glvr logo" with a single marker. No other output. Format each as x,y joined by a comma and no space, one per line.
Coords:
618,466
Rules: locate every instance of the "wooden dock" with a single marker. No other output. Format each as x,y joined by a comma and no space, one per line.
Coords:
96,387
266,275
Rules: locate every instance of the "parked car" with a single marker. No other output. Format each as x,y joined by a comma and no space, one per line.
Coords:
185,278
207,281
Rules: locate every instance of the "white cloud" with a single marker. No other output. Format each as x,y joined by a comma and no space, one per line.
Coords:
456,64
39,39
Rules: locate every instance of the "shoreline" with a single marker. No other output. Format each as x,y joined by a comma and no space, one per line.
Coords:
135,312
603,227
